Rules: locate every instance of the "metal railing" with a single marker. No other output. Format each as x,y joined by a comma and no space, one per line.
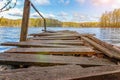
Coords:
39,15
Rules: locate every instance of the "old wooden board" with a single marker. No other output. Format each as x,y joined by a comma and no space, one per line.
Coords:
58,73
55,41
42,43
61,35
106,51
53,33
67,31
105,44
50,38
37,44
34,59
69,35
79,50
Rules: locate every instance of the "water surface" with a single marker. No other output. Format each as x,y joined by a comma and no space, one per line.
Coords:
111,35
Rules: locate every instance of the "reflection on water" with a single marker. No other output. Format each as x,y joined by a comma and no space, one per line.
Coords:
111,35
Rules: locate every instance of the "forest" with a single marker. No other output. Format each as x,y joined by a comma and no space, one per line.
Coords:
38,22
110,19
33,22
81,24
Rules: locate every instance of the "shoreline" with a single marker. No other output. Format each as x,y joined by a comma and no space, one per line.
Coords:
53,27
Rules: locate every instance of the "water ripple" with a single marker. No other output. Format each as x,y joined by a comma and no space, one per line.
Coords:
111,35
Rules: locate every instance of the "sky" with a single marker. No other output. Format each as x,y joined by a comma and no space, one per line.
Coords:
64,10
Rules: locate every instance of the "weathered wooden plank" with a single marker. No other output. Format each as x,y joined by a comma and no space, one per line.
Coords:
69,35
105,44
67,31
79,50
61,34
53,33
106,51
49,34
34,59
51,41
41,43
61,37
49,38
37,44
58,73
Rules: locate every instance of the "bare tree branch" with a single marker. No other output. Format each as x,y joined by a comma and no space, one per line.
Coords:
7,6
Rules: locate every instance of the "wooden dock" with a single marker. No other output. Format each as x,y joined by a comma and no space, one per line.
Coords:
61,55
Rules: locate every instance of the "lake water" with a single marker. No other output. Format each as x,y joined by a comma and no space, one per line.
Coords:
111,35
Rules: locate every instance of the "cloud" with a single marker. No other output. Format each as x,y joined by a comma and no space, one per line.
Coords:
107,3
101,2
61,1
20,2
80,1
36,15
66,2
14,13
78,17
63,16
2,3
14,1
43,2
50,16
94,18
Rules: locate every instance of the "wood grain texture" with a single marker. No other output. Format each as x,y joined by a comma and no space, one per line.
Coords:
58,73
34,59
109,52
25,21
43,43
79,50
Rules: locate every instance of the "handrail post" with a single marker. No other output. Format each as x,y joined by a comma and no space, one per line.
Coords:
25,21
45,29
45,25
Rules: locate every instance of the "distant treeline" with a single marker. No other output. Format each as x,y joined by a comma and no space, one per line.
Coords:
38,22
9,22
82,24
110,19
33,22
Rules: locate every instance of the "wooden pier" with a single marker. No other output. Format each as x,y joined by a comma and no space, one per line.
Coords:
59,55
77,56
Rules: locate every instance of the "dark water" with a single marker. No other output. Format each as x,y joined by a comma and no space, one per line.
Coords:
111,35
